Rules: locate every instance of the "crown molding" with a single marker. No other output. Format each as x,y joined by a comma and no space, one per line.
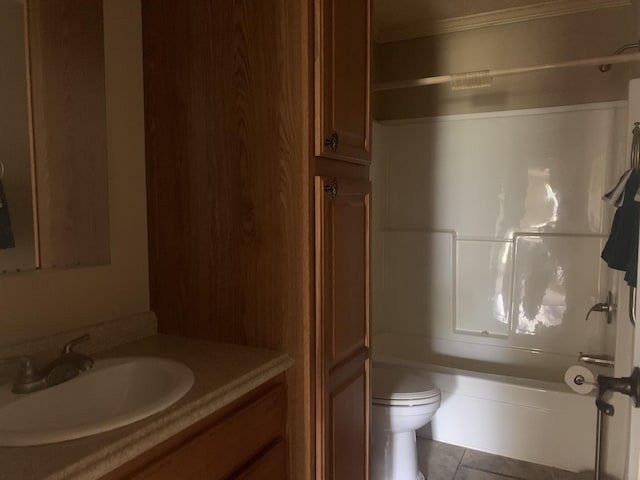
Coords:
498,17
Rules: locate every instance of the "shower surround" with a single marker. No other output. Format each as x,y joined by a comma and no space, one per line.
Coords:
487,233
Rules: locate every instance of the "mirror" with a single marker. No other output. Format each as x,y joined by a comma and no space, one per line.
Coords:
55,210
17,239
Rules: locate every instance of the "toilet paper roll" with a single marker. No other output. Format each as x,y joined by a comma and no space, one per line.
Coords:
580,379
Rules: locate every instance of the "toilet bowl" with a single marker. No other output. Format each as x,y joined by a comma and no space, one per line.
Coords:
401,403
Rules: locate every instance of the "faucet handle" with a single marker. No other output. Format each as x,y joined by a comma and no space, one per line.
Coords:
83,362
28,372
608,307
29,378
68,347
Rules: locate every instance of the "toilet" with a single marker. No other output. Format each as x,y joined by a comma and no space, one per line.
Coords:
401,403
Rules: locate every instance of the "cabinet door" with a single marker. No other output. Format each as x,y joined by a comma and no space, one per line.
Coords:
342,79
342,328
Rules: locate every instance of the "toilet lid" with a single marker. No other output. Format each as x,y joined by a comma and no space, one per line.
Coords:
388,383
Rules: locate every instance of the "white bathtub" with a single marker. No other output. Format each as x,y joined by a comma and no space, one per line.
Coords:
531,420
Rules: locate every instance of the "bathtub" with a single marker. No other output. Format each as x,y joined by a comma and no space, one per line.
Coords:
532,420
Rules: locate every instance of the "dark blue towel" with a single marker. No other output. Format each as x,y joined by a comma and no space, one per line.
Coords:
621,250
6,233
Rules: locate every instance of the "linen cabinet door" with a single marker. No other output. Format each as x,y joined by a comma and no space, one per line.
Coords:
342,328
342,80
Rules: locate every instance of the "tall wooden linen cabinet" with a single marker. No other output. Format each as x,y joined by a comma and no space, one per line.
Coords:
258,150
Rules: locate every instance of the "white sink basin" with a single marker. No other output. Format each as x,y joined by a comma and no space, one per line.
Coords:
115,392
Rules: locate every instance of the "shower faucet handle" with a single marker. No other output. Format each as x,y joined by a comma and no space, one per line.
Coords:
608,307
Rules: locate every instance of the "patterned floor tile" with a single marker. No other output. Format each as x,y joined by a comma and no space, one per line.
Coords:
466,473
510,467
438,461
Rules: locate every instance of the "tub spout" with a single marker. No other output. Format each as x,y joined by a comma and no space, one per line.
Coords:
597,360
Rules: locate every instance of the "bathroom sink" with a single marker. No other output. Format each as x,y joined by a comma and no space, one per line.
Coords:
114,393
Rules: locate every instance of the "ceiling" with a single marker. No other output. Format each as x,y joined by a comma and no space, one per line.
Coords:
403,19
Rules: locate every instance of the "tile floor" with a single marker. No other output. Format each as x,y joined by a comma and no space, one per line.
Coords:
441,461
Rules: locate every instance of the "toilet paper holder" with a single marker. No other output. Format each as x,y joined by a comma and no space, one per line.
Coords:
580,380
629,386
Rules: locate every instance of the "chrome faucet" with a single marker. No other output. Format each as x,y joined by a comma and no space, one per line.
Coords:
63,368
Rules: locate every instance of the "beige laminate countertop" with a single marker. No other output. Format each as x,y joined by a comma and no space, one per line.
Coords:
223,373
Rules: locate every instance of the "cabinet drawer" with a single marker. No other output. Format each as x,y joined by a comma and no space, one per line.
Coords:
220,447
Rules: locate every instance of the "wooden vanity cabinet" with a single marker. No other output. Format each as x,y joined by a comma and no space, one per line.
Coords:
342,80
245,440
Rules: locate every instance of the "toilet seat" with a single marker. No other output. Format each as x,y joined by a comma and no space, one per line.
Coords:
395,387
434,397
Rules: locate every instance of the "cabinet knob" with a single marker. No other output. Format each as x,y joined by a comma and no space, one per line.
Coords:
332,140
332,188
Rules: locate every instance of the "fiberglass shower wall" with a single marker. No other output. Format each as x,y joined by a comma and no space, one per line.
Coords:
488,230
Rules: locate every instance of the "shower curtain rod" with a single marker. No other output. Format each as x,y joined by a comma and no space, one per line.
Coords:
482,78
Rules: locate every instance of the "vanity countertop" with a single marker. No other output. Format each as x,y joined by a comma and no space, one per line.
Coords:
223,373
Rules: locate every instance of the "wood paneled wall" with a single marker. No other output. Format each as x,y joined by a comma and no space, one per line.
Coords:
228,139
